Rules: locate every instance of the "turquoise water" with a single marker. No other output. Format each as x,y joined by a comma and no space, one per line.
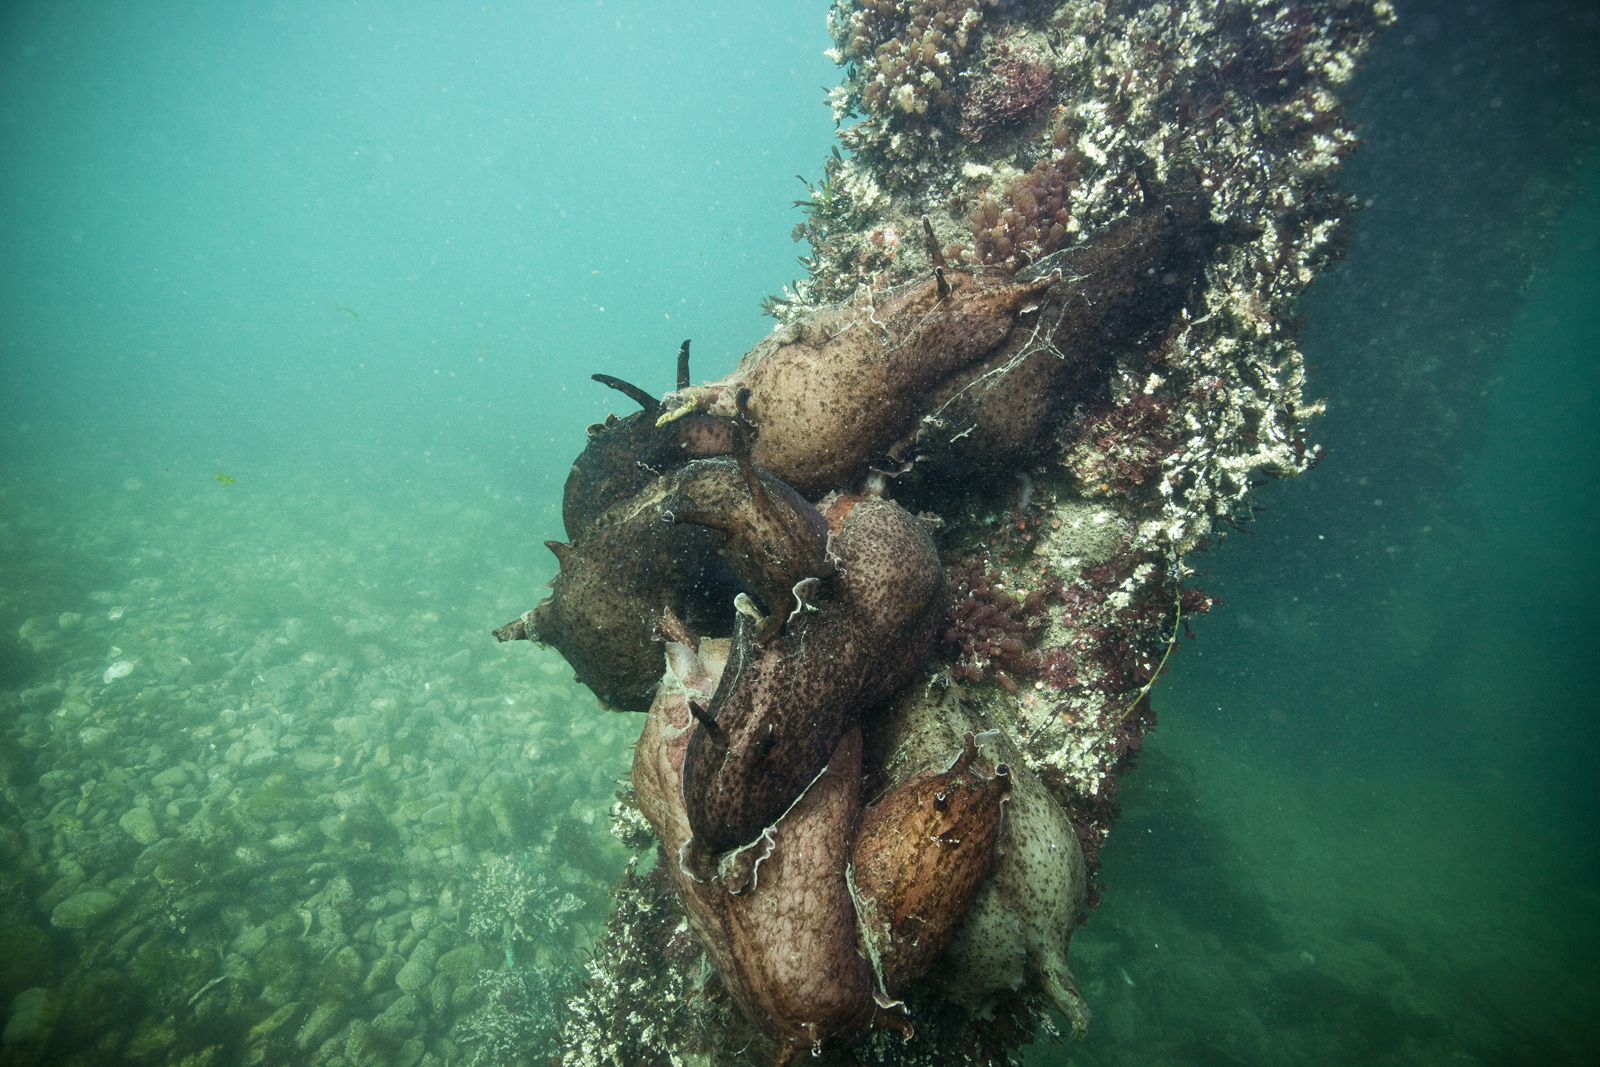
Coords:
361,261
1364,832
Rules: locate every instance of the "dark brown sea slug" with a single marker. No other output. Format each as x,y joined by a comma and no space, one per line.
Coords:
613,584
624,454
781,708
833,392
767,534
636,561
919,859
1127,280
786,944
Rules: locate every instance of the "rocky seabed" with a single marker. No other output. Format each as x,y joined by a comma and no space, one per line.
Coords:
268,807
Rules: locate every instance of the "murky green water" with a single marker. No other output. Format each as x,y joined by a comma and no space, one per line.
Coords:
269,788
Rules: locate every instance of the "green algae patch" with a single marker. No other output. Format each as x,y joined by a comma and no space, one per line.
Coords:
367,825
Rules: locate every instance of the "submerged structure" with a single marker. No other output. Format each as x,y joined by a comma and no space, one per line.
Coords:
894,593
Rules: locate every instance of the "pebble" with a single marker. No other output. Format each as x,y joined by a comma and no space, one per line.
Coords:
417,972
242,807
141,826
320,1025
82,910
31,1014
171,778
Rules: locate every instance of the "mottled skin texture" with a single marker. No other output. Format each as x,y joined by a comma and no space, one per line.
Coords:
839,393
769,535
781,707
793,931
611,588
638,559
760,761
991,414
854,383
955,380
919,859
786,945
624,455
1020,925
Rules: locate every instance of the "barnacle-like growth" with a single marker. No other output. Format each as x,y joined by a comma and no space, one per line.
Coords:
512,904
520,1011
906,57
1121,450
909,52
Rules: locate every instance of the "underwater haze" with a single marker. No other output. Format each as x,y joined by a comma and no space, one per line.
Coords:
300,303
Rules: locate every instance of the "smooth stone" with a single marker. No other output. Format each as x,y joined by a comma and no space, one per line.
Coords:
154,1036
171,778
73,711
347,968
311,761
56,781
383,969
40,634
272,1023
140,825
325,1018
32,1015
82,910
464,963
93,736
440,990
417,972
42,698
357,1042
285,842
25,960
398,1020
251,939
